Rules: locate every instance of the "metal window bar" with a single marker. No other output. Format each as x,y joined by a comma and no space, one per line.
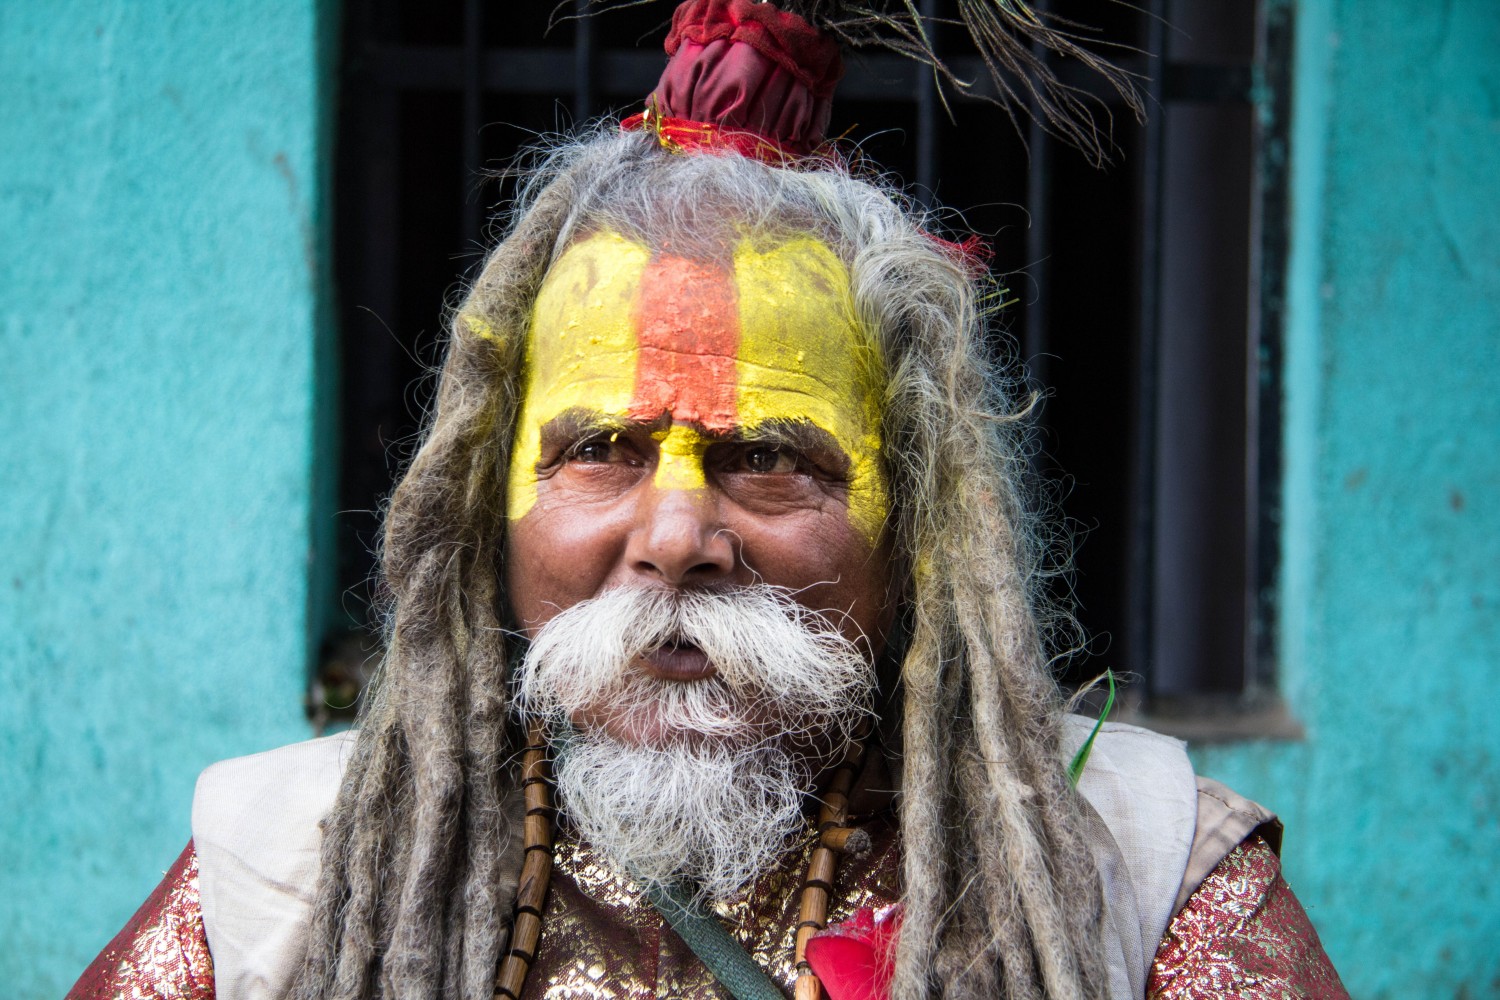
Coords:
1141,566
1269,227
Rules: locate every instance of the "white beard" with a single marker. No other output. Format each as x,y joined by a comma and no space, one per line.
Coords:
715,794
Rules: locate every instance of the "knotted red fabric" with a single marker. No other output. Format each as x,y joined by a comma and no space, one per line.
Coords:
855,960
745,66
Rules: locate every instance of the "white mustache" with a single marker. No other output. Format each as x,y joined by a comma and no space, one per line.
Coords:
775,660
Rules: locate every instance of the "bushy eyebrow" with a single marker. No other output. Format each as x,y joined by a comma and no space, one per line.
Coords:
584,421
578,422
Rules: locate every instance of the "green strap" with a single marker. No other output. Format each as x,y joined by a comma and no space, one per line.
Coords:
715,947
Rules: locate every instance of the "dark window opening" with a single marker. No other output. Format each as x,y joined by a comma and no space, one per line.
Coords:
1149,292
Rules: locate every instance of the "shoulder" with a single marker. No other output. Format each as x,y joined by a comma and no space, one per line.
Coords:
1172,825
1226,819
1133,775
1243,934
271,802
284,778
1161,830
161,952
1141,790
1142,786
256,830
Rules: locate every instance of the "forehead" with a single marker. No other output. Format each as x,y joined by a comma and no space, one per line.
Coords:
711,343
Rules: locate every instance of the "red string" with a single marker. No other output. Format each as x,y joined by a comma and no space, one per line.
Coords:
972,252
681,135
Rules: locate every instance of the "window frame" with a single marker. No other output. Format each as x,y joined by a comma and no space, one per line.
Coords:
466,61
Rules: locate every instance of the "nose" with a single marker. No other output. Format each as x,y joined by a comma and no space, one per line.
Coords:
679,538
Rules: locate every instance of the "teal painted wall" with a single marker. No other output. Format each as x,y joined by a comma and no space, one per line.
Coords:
163,325
1390,638
163,258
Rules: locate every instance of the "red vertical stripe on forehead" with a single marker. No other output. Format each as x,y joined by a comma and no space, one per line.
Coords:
688,331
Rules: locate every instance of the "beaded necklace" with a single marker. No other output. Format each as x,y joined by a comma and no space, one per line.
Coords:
835,837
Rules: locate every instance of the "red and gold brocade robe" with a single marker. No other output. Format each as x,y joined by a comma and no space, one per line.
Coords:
1241,934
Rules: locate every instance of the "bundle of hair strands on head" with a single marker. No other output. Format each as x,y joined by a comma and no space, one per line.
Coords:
1012,39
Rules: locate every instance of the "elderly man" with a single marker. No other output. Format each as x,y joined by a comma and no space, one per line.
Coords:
718,518
719,484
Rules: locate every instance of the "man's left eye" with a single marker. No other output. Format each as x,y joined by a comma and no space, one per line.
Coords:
769,459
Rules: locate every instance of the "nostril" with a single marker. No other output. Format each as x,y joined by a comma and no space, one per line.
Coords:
678,537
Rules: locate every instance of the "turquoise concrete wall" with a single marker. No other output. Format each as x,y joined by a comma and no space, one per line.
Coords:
1390,642
163,256
163,329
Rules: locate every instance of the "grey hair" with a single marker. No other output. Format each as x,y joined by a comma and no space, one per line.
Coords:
421,851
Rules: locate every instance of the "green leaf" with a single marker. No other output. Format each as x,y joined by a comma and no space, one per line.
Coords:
1081,758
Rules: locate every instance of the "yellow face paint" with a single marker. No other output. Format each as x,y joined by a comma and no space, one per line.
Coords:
804,356
636,338
679,459
580,350
479,327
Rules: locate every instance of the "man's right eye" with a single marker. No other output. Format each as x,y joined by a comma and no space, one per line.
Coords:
610,448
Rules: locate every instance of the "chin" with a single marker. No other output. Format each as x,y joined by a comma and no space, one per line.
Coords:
651,729
664,803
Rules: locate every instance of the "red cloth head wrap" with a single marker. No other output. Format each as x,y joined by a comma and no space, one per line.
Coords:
750,67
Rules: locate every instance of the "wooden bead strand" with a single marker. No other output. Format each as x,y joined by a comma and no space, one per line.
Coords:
834,838
536,868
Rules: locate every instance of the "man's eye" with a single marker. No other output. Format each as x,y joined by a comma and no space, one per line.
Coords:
598,450
768,459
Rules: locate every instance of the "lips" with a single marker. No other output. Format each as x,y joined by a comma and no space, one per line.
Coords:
677,661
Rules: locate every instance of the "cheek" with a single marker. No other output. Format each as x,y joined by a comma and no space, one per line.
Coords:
554,558
829,562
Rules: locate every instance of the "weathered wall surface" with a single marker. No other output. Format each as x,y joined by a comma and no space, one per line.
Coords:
1391,589
162,288
162,257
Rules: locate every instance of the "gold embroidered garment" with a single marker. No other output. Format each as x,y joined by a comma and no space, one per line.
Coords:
1242,934
603,940
161,953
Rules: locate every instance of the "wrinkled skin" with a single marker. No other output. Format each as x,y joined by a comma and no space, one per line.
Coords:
722,471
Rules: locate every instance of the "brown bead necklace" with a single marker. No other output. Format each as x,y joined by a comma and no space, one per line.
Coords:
835,837
536,865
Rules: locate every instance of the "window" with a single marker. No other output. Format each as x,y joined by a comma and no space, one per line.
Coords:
1149,293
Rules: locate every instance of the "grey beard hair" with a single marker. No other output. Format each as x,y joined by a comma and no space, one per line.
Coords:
714,793
713,818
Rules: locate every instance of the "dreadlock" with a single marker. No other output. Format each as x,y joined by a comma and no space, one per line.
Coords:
420,852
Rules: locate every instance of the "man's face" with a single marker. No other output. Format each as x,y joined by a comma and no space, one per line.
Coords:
692,426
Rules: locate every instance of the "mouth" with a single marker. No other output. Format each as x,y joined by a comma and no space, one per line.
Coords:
678,660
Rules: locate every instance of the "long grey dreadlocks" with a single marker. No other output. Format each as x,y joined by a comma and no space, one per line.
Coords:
420,853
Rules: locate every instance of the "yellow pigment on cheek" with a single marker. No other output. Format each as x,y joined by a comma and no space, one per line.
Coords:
804,356
580,348
679,459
